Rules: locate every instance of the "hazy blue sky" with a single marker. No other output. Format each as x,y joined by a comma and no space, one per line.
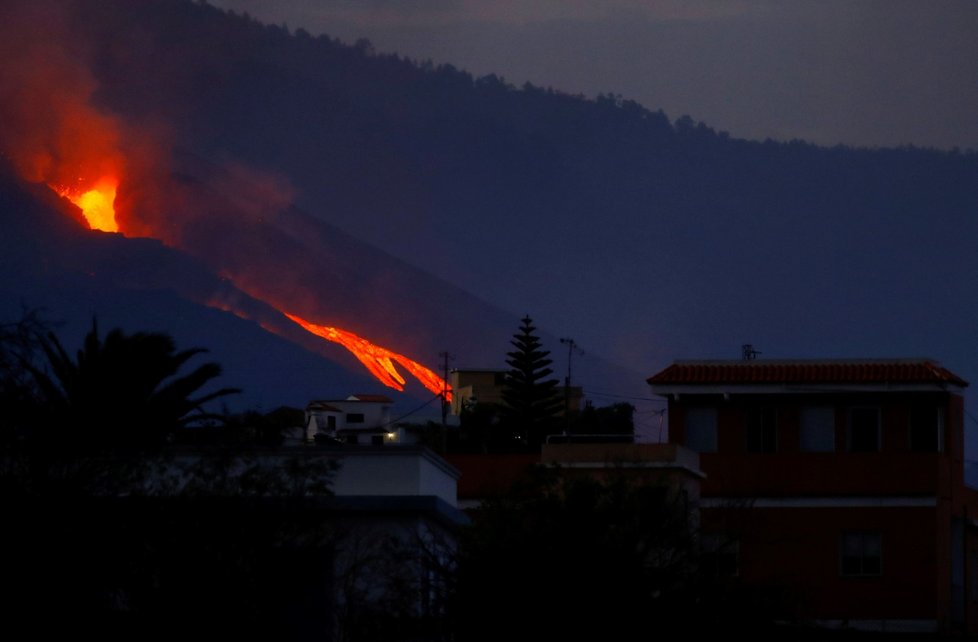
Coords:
878,73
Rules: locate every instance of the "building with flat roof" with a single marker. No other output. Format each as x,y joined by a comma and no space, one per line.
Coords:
836,485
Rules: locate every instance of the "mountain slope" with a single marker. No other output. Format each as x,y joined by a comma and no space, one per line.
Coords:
645,240
51,264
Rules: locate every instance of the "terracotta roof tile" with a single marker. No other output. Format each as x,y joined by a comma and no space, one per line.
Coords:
806,371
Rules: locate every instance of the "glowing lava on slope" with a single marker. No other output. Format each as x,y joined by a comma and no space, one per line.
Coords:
97,204
379,361
53,134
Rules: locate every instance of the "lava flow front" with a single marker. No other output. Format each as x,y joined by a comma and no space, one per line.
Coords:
379,361
97,204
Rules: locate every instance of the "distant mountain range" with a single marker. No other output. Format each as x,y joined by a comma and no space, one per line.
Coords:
428,209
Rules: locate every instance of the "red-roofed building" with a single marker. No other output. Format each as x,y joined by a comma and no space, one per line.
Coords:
838,485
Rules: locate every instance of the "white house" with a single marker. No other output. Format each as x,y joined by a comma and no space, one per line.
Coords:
363,419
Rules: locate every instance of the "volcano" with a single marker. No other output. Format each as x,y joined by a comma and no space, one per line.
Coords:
223,235
275,178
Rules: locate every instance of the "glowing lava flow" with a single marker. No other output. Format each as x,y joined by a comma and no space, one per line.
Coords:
97,204
379,361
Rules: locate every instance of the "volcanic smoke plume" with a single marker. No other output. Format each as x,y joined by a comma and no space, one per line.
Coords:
124,175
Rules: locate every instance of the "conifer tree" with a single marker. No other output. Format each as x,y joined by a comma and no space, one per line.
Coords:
531,403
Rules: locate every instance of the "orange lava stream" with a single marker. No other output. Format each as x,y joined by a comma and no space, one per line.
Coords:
97,204
379,361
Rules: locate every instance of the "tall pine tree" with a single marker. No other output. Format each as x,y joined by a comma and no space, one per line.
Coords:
531,402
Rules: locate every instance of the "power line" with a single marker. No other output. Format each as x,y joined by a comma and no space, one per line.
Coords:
609,394
408,414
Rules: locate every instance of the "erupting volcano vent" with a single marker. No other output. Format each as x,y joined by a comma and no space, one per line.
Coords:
97,204
56,133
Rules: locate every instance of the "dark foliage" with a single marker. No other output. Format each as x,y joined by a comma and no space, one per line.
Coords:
165,567
112,530
121,392
615,419
585,560
479,430
20,349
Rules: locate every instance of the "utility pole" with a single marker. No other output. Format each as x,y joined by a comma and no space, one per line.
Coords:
571,347
444,400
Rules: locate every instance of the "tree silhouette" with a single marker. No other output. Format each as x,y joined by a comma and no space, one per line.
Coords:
20,343
531,404
122,392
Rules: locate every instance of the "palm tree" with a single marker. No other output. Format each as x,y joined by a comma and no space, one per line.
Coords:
122,392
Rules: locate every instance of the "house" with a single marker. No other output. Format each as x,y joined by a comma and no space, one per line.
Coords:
394,523
358,419
473,386
492,476
669,465
835,485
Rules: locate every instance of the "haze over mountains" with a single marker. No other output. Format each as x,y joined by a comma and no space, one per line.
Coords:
428,210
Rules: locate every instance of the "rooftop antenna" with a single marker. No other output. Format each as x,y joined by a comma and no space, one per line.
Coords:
748,353
571,347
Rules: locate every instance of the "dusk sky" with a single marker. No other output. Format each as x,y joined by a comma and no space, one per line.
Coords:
868,73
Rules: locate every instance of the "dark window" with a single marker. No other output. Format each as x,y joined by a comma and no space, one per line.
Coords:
331,422
701,429
377,440
861,553
926,429
351,439
864,430
354,417
762,430
817,433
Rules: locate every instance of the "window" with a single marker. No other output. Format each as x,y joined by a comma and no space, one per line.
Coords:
817,429
720,555
354,417
351,439
927,429
376,440
331,422
861,553
762,430
864,430
701,429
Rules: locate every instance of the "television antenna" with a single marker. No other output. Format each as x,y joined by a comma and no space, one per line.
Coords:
571,348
